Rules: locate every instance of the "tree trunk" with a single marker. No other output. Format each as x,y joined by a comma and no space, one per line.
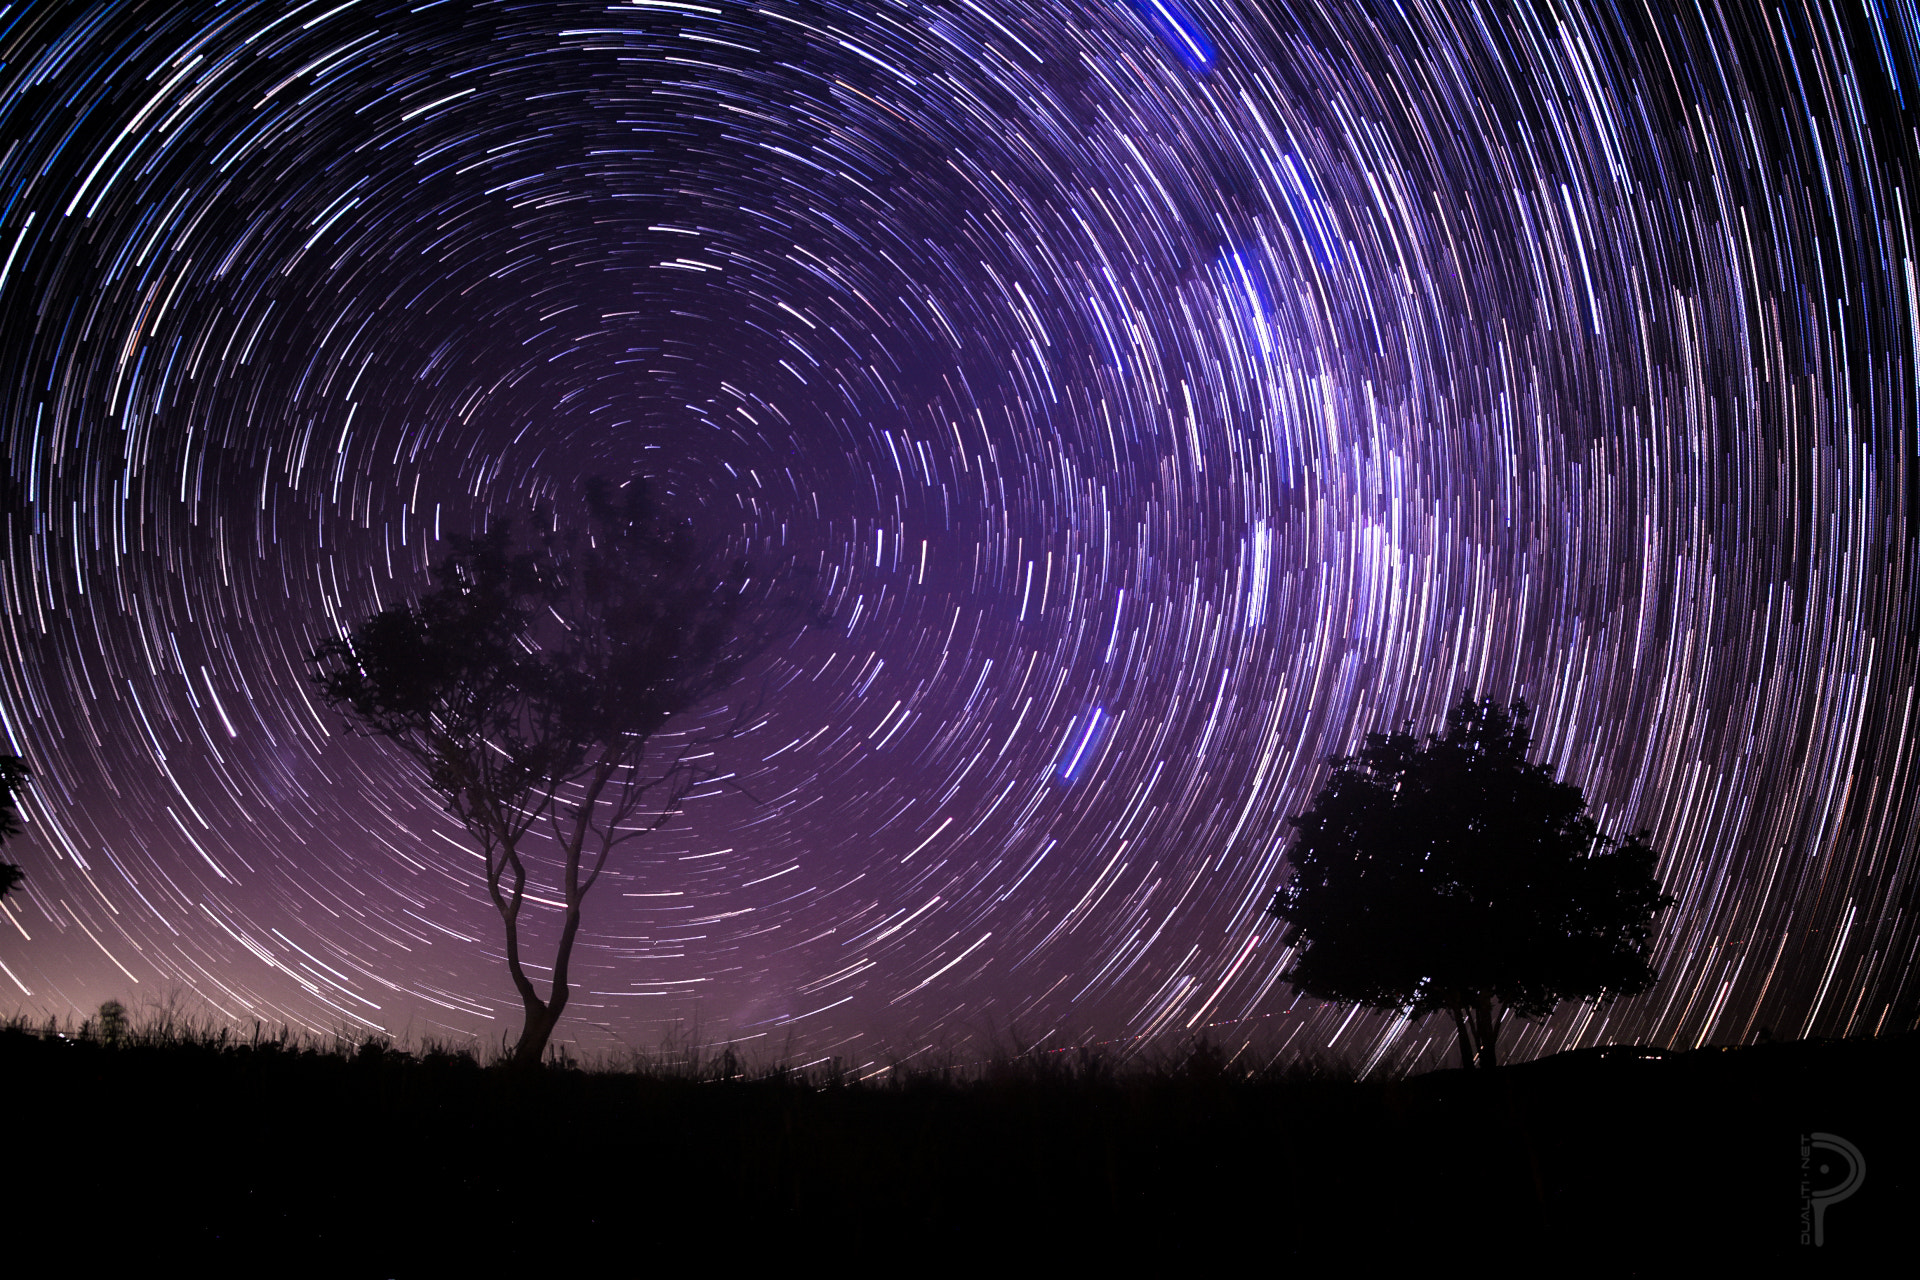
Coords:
544,1015
1488,1032
1479,1033
1465,1027
534,1034
541,1015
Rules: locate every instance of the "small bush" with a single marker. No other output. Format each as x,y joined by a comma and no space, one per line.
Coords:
112,1023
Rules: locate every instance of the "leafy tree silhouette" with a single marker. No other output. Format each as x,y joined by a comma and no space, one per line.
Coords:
1454,874
13,780
529,688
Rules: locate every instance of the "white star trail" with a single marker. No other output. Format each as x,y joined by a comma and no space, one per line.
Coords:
1168,394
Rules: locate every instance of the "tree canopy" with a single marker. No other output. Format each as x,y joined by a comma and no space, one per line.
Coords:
13,780
1451,874
529,686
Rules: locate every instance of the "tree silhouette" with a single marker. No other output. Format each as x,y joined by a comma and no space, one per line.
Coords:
13,780
530,686
1454,874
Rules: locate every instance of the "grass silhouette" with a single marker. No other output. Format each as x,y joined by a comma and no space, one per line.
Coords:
260,1148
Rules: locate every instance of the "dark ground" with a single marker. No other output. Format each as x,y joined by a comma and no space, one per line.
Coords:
1604,1162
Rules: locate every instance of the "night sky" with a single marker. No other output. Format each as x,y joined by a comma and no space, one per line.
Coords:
1168,394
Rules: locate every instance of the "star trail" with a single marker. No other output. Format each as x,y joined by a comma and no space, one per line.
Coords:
1167,392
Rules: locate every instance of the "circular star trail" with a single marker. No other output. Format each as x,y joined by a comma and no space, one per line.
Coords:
1168,393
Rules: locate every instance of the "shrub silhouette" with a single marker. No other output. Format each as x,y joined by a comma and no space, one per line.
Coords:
111,1023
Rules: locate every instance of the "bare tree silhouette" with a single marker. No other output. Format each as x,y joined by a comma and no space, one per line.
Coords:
530,689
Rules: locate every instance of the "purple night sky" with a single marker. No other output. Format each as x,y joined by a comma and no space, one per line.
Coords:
1169,393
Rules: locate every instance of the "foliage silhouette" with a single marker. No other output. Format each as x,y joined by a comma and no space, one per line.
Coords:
531,686
13,780
111,1022
1454,874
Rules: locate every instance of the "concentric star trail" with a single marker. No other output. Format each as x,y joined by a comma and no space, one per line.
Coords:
1169,393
